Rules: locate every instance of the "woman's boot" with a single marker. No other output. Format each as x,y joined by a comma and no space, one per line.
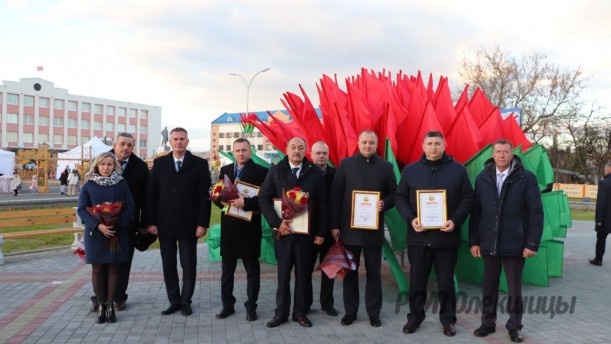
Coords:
110,312
101,313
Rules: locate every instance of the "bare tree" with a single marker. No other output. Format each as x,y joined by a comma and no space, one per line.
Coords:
547,94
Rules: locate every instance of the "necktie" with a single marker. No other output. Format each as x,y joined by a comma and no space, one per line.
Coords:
238,173
123,166
178,164
499,182
294,172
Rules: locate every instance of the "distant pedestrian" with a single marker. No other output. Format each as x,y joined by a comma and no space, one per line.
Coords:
63,181
34,186
16,183
73,181
603,209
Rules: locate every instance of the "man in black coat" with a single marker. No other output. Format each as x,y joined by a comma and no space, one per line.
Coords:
240,238
435,171
178,211
603,209
364,171
505,228
320,157
136,174
294,249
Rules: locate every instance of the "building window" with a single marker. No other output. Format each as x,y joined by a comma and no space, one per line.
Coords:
71,139
228,148
85,124
12,99
133,113
121,127
71,122
28,100
43,138
221,135
28,119
144,114
131,128
43,120
12,118
236,135
110,126
260,147
72,106
97,125
110,110
142,143
85,107
260,134
58,121
84,139
98,108
58,139
269,146
58,104
143,129
43,103
28,137
121,112
12,136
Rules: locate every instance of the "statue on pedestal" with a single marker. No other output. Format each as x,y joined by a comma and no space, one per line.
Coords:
164,137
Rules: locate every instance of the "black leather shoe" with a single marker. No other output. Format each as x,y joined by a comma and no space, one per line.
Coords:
251,315
449,330
330,311
172,309
596,262
375,321
225,312
516,336
483,331
348,319
101,313
120,305
302,320
410,328
110,312
275,322
186,310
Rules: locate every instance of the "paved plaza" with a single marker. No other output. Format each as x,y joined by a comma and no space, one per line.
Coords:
44,298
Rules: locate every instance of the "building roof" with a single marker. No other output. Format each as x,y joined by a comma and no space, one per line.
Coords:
234,117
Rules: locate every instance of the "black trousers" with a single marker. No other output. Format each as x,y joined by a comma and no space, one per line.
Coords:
187,249
421,260
124,271
253,282
601,241
373,286
293,253
492,271
326,283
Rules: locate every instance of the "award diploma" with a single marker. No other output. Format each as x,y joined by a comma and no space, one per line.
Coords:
432,210
247,191
365,214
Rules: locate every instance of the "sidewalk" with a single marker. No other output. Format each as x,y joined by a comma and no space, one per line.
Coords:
44,298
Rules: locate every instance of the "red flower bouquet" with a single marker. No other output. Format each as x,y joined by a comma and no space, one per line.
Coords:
108,214
338,261
80,249
294,202
224,191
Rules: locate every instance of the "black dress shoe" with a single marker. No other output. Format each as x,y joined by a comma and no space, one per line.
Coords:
410,327
348,319
172,309
483,331
186,310
275,322
375,321
225,312
330,311
110,312
449,330
120,305
596,262
302,320
516,336
251,315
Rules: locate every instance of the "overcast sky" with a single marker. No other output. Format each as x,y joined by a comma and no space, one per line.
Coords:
178,54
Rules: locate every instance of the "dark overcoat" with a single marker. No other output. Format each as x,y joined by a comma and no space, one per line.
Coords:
603,205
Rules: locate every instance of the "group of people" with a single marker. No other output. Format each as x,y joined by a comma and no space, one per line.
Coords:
69,182
173,203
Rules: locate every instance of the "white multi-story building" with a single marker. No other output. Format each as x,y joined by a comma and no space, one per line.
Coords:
34,111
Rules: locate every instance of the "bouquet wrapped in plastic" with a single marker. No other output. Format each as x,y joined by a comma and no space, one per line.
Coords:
294,202
224,191
338,261
107,214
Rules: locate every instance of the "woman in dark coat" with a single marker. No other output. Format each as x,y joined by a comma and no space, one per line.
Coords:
105,184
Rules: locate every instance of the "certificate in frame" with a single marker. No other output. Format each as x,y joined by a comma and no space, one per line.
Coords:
247,191
432,208
300,223
364,213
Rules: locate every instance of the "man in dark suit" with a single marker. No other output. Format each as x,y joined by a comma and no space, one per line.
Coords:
294,249
240,238
364,171
320,157
434,171
178,212
603,209
505,228
136,174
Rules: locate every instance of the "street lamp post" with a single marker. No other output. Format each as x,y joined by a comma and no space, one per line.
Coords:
247,84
